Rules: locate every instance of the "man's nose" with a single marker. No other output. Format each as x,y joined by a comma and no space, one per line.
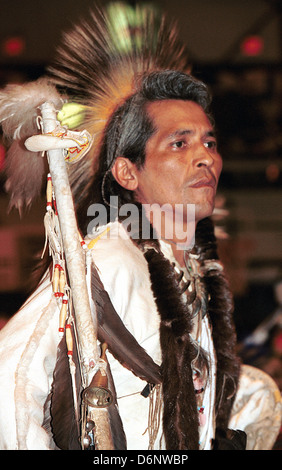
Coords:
203,157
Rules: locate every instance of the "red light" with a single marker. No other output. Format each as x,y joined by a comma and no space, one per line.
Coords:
272,172
13,46
252,46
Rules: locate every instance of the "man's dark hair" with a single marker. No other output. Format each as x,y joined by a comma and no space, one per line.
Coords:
130,127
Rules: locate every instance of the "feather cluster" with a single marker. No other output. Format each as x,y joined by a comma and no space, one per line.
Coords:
19,109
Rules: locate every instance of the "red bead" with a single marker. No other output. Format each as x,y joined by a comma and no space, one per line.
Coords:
59,294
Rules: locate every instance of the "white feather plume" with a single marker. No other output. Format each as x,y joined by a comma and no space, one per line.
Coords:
19,109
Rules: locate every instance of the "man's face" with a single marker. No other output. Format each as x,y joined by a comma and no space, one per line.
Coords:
182,165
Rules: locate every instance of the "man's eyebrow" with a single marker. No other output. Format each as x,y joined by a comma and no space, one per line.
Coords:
179,133
211,133
182,132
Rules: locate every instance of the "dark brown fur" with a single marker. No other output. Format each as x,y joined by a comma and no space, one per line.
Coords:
180,410
180,417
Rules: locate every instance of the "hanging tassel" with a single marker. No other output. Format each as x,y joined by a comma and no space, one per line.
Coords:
59,281
56,277
62,282
155,414
63,315
69,339
49,192
52,232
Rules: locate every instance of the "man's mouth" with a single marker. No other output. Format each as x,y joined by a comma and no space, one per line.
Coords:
203,182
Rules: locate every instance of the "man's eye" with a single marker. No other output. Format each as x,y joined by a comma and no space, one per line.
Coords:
211,144
179,144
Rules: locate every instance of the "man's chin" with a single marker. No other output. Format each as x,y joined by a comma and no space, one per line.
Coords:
203,212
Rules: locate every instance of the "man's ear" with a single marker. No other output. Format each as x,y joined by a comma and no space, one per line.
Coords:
124,172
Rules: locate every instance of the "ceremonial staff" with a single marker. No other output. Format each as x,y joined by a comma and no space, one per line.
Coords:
85,316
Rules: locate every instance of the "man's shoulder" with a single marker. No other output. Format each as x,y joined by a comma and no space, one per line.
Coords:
112,246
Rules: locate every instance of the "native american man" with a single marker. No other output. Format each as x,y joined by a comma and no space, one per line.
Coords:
165,308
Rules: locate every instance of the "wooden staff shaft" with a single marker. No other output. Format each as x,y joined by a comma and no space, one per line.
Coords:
86,325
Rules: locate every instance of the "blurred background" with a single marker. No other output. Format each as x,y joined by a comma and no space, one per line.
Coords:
236,47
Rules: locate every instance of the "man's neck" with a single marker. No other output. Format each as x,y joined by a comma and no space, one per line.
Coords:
174,227
178,255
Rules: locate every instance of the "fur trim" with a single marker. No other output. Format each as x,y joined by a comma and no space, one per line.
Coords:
180,418
220,310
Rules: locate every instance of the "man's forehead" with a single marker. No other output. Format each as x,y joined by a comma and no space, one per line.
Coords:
178,115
